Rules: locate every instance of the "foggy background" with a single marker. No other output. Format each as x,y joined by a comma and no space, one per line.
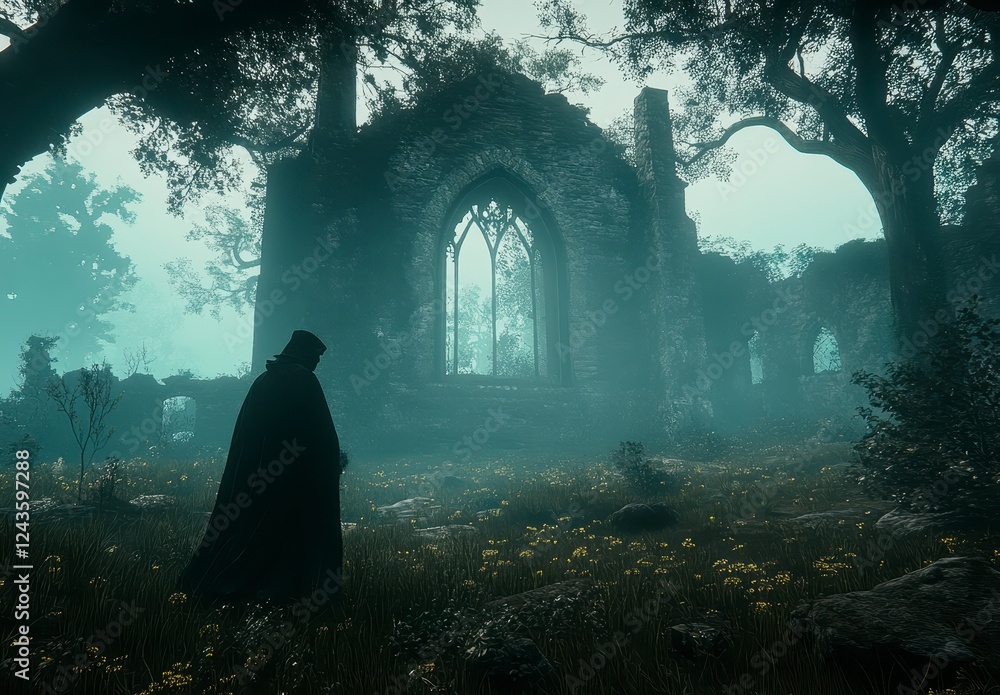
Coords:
788,199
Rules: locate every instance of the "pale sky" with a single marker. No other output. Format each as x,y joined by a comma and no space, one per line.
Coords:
787,198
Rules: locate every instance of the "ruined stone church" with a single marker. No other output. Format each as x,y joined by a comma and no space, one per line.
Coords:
594,317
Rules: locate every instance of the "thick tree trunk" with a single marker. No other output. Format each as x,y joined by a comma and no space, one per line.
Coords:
904,197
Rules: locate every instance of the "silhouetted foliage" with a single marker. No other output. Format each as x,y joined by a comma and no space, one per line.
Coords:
232,273
776,264
198,77
933,440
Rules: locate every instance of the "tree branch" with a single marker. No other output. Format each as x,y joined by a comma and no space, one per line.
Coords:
843,155
83,54
798,88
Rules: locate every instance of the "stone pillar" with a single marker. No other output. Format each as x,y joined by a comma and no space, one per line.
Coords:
336,123
308,199
278,309
677,321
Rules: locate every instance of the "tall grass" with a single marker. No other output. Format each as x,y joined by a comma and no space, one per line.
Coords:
743,572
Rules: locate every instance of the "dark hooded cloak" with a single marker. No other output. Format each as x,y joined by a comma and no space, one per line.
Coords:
275,529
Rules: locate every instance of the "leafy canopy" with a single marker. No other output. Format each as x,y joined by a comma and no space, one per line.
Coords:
920,79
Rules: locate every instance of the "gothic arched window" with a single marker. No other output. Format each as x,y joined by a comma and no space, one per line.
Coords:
825,352
495,303
502,288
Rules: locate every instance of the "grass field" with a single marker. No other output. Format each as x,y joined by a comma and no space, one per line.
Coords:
106,617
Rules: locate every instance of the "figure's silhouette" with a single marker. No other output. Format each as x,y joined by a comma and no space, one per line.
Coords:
275,530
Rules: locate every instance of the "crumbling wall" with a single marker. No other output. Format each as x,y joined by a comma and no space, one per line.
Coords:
377,296
137,422
846,292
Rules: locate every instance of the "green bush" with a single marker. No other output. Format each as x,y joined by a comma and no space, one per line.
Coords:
933,438
630,460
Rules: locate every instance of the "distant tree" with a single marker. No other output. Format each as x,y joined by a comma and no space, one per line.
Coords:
28,406
904,94
232,272
36,369
475,331
59,269
85,397
136,360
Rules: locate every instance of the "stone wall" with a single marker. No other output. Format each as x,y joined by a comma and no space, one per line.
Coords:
376,298
648,336
137,422
846,292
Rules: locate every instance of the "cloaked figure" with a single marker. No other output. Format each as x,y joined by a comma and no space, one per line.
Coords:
275,530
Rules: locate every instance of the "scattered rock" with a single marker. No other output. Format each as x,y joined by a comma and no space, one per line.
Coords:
506,660
155,503
637,517
902,523
927,624
43,510
419,508
692,640
38,506
43,505
441,533
842,517
559,607
451,483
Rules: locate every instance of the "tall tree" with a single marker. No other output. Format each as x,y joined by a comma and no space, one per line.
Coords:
59,270
905,95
